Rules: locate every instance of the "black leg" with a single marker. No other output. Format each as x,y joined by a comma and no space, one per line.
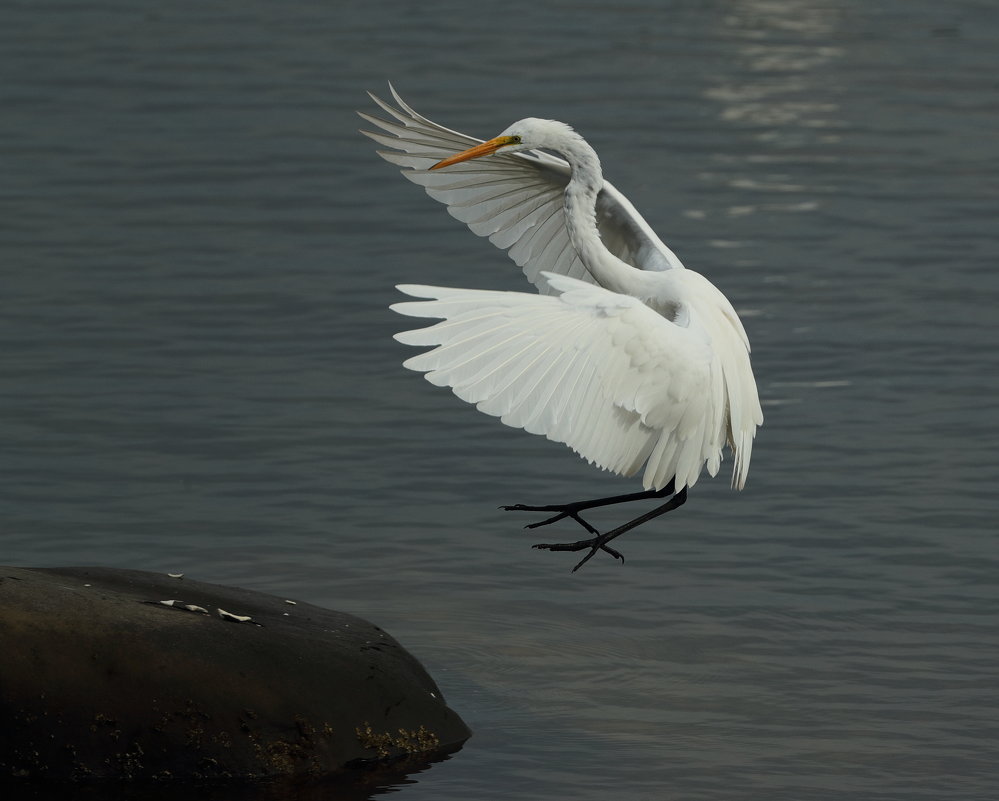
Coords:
599,542
572,510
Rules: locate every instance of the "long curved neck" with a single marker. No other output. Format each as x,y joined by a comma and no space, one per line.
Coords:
585,182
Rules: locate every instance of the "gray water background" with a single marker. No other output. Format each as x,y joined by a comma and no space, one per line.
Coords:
197,372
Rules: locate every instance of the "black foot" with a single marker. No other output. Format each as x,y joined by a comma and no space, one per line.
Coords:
597,543
570,510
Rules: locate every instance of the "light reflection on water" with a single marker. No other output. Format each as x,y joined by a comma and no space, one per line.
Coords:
199,374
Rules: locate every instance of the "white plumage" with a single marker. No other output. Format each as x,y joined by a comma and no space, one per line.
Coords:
515,200
626,356
597,370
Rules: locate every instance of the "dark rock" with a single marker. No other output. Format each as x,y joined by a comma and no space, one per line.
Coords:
100,679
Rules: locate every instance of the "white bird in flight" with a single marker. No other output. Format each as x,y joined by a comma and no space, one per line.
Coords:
625,356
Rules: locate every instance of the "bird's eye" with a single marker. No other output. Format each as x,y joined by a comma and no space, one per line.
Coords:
515,140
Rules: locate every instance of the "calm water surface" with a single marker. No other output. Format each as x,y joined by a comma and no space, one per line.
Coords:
197,372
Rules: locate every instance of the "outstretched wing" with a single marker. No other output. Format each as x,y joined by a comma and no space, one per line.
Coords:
515,199
602,372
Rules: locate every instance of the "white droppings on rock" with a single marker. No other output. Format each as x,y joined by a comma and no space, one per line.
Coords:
237,618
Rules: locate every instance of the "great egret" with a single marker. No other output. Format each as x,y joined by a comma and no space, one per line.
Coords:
625,356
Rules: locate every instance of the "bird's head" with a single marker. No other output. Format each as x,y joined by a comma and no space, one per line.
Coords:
527,134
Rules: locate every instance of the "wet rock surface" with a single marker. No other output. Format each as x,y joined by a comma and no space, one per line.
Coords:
100,678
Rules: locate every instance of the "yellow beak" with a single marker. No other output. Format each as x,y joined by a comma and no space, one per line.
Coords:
485,149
